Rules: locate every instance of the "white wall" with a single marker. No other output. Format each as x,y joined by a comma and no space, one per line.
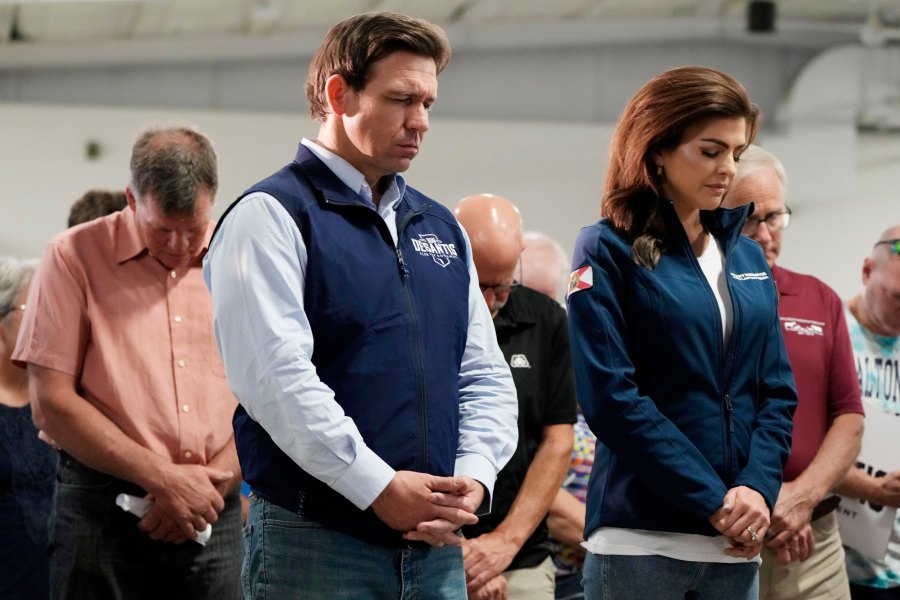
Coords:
553,171
843,189
830,239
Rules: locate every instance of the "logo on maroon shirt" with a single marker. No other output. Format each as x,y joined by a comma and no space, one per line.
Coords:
803,326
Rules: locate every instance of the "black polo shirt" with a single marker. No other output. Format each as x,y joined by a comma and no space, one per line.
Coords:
533,335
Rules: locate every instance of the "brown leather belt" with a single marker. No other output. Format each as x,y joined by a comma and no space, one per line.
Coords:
825,507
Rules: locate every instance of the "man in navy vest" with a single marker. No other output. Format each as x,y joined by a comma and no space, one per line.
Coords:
376,408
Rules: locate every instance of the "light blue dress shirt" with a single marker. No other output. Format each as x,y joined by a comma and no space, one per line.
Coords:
255,270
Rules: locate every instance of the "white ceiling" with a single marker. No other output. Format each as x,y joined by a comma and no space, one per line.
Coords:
43,21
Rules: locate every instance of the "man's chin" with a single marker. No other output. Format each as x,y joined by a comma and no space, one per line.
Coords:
403,163
174,262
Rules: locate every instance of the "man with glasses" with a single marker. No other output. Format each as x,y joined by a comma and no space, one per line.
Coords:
874,320
803,557
509,548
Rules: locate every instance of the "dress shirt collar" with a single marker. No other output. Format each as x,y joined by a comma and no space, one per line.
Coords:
514,313
784,281
353,179
128,241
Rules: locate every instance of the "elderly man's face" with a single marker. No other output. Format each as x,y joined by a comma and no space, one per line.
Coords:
881,277
762,187
496,282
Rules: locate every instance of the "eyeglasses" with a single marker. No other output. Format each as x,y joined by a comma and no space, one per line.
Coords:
893,245
503,288
775,221
10,309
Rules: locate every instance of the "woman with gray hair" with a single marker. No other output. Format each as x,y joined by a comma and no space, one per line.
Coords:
27,465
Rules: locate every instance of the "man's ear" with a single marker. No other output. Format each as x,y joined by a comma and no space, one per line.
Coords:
129,197
868,265
338,95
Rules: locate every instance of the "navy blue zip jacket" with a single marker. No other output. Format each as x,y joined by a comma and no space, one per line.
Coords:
680,417
390,328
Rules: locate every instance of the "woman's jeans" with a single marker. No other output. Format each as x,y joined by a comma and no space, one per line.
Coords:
618,577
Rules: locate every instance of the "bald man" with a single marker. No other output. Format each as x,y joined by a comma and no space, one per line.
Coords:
874,320
545,265
803,558
509,548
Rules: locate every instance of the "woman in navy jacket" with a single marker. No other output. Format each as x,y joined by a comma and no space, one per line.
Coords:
680,366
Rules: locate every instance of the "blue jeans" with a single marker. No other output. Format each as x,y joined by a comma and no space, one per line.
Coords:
288,556
97,551
615,577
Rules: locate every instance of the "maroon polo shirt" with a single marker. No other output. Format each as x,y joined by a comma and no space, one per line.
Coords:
818,346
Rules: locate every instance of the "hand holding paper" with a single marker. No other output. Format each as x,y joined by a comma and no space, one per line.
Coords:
141,506
871,491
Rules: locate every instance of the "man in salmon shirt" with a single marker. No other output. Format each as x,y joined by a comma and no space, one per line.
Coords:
125,377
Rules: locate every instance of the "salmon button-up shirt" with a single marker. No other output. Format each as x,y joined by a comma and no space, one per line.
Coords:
137,337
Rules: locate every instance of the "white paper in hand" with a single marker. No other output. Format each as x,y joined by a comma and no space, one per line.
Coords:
866,527
141,506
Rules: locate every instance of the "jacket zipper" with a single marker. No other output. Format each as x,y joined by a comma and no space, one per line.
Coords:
723,355
403,270
421,392
733,341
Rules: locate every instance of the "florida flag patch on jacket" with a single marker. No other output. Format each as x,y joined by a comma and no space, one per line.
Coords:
580,279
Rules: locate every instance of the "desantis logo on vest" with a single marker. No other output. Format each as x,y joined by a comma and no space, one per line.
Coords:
428,244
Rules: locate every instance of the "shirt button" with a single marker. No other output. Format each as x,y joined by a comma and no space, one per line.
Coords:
173,274
178,319
181,363
185,408
188,454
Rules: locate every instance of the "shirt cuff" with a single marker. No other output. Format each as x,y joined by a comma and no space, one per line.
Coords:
365,479
481,470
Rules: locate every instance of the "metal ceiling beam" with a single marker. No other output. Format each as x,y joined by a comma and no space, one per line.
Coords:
235,48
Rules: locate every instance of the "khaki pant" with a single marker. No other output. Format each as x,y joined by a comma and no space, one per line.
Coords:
822,576
535,583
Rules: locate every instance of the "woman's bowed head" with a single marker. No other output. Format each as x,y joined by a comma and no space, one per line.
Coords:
677,141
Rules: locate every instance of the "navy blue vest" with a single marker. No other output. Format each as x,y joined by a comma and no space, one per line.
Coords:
389,327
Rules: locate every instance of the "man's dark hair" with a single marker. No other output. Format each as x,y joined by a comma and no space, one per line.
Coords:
352,46
174,164
94,204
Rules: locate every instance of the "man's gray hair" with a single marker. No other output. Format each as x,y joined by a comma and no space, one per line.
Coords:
14,277
755,158
545,265
175,164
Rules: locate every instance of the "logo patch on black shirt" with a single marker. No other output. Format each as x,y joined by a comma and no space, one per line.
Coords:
519,361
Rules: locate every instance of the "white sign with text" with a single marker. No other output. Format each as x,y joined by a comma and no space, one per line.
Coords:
866,527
